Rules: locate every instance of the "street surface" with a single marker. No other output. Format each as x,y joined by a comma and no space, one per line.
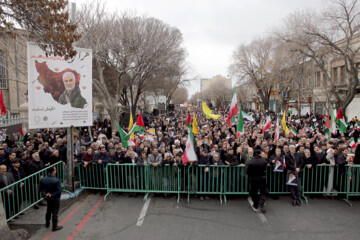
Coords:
121,217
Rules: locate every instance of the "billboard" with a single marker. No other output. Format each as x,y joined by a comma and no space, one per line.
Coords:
59,90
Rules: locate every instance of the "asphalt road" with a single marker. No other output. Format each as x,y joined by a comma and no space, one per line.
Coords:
121,217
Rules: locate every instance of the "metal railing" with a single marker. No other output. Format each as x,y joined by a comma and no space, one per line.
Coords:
23,194
92,176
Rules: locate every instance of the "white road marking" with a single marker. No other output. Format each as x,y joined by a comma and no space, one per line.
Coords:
143,213
260,215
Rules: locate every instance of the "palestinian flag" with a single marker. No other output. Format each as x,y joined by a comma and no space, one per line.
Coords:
125,137
289,109
323,118
352,143
189,154
21,137
327,127
312,128
240,126
139,125
233,110
293,132
277,128
247,116
340,120
267,124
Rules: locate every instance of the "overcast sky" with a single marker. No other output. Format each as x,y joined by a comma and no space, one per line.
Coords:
212,29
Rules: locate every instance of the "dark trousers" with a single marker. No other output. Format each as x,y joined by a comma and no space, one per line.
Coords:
295,190
52,211
258,184
8,201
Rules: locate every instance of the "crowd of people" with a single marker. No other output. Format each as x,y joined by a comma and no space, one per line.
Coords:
215,143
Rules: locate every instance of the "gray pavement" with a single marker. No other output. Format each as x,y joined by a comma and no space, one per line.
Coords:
117,218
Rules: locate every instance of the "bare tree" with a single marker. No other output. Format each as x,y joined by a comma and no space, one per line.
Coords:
325,38
131,54
180,95
45,22
219,93
254,62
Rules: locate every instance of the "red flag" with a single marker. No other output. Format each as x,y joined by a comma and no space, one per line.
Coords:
188,121
2,105
140,121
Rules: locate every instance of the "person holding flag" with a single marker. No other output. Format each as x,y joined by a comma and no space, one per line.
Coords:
233,110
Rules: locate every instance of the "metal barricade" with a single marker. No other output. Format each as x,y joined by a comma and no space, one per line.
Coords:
353,181
276,181
235,180
324,179
92,176
23,194
164,179
126,178
201,182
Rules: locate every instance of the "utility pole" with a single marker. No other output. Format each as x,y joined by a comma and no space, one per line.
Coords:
70,133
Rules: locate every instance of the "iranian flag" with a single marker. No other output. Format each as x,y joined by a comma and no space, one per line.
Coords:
126,139
277,128
358,126
139,125
240,126
267,124
189,154
327,127
312,128
21,137
340,120
289,109
351,127
233,110
142,134
293,132
352,143
2,104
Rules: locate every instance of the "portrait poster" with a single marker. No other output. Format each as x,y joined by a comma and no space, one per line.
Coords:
59,89
278,166
291,178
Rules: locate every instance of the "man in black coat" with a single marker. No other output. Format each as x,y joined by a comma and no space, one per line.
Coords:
50,189
255,169
294,164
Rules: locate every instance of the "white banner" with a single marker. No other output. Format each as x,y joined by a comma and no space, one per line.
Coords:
59,90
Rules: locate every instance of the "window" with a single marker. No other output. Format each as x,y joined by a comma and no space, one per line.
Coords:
335,75
317,79
3,80
342,78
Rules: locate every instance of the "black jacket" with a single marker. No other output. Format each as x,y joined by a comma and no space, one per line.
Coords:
50,184
256,167
293,162
18,174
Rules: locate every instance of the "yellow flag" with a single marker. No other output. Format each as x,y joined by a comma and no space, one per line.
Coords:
208,113
131,125
194,125
284,124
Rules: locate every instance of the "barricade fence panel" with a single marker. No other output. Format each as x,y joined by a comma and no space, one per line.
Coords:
222,180
353,181
92,175
126,178
324,179
23,194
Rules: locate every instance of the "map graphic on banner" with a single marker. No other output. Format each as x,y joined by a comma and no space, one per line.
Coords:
59,90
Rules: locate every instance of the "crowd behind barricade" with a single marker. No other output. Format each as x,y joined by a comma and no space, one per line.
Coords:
164,142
